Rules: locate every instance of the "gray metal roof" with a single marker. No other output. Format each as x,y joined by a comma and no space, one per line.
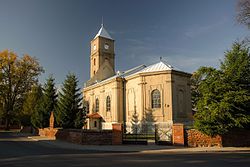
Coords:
103,33
160,66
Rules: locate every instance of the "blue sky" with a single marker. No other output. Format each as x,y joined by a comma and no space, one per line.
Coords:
187,34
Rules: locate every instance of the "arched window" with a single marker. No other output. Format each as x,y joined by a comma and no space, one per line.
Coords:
108,103
94,72
96,105
86,107
94,62
95,124
156,98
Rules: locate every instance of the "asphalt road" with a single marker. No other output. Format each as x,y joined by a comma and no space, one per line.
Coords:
16,150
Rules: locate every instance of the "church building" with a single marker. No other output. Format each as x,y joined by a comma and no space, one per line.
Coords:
156,94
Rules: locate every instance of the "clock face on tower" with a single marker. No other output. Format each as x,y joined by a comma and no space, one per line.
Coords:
106,46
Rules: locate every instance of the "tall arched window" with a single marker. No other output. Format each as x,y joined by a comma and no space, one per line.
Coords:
96,105
108,103
94,62
86,107
156,98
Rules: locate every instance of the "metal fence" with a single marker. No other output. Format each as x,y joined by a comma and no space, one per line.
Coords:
144,133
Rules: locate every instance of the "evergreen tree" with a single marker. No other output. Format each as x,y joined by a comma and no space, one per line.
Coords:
223,96
69,114
49,100
135,123
147,122
37,114
32,100
80,118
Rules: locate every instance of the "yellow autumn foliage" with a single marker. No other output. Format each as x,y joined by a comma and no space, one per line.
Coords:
17,75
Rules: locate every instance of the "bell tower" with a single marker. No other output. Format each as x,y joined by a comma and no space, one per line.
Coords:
102,56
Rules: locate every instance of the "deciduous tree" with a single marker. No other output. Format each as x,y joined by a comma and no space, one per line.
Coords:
243,12
17,75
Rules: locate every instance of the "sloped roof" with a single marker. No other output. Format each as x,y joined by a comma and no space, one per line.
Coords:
160,66
133,70
103,33
94,115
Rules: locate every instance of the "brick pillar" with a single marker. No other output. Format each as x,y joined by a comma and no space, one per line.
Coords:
117,134
178,134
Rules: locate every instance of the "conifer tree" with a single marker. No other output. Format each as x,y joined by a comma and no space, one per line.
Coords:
135,123
223,96
32,100
49,100
69,113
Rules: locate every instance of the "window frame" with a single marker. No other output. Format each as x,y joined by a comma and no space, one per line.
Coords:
155,99
97,105
108,104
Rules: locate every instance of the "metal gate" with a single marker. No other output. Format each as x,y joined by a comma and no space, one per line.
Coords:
163,134
139,134
149,133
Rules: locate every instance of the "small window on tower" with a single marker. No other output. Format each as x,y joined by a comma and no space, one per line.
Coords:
94,72
94,62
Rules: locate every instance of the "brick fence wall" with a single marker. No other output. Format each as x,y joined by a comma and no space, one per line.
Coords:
3,127
194,138
117,130
178,134
85,137
234,138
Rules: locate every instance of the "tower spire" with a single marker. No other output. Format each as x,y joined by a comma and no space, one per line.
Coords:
102,22
102,32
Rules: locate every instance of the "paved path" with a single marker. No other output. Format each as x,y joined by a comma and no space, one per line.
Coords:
151,148
21,150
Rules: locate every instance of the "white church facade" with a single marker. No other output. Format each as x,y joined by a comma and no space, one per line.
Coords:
158,93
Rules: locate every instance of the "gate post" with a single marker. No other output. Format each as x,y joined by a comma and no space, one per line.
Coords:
178,134
117,131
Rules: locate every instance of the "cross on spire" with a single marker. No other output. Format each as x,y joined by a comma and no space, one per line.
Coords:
102,21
